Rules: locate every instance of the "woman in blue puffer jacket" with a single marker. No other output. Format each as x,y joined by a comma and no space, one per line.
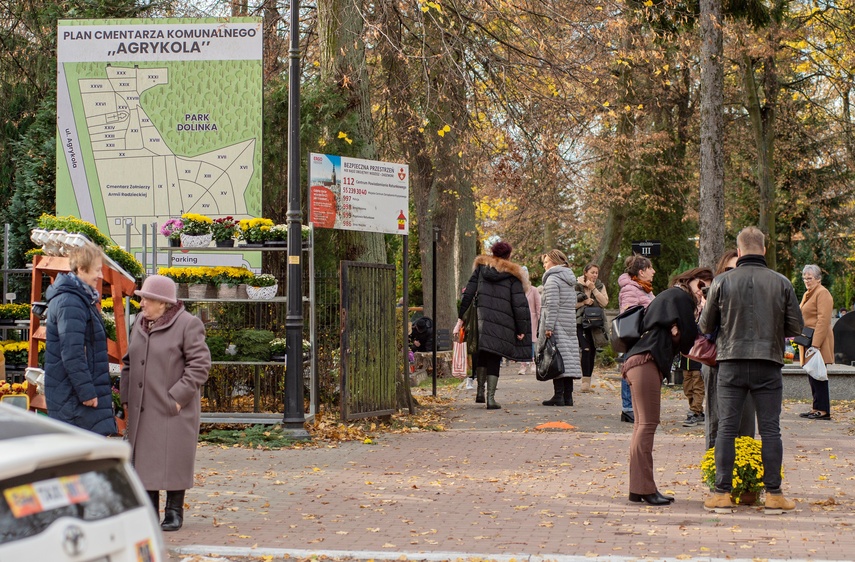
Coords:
78,389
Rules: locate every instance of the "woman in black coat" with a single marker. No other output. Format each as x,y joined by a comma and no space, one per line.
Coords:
504,320
669,328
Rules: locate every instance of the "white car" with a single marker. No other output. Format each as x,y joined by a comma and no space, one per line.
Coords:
67,494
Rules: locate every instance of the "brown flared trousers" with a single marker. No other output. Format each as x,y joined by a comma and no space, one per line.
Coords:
645,384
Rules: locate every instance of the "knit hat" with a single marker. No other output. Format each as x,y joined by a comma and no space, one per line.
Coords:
158,288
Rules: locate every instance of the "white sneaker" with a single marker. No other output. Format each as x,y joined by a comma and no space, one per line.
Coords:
469,385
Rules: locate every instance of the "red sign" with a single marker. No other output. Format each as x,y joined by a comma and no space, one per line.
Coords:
323,207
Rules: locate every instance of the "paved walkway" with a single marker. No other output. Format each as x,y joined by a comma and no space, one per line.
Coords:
493,487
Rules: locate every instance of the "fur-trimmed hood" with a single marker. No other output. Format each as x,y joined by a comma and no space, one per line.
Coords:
502,268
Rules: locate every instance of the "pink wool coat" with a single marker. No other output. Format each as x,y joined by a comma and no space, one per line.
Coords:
165,366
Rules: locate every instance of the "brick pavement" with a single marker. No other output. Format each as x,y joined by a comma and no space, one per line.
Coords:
492,486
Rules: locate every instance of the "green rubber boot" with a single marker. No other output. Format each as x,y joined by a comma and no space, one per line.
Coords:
492,381
481,377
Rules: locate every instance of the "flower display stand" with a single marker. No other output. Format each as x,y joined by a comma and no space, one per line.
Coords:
115,283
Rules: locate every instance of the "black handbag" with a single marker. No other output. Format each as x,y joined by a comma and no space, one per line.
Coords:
470,326
470,323
626,329
805,339
549,362
593,317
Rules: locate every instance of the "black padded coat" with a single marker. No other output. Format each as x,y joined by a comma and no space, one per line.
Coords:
503,311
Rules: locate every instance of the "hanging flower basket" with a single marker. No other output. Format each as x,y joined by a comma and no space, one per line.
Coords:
201,241
261,293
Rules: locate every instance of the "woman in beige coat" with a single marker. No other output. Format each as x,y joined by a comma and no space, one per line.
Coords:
164,369
817,306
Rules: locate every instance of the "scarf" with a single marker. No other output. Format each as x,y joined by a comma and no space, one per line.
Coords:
147,325
646,285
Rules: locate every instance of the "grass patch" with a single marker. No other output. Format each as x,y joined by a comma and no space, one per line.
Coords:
440,382
255,437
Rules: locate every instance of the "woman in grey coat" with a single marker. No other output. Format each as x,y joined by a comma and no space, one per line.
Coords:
558,321
164,369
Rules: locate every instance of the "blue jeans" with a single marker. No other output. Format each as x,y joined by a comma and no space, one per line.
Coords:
763,380
625,396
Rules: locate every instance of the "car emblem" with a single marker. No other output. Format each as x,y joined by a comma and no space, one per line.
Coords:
73,541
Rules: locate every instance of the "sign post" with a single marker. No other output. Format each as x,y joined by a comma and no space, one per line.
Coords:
647,248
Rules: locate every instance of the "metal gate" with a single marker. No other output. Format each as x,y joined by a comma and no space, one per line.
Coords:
368,356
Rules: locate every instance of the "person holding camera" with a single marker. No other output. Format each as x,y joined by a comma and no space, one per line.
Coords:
697,280
591,298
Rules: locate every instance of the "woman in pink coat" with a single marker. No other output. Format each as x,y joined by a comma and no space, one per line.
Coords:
164,369
533,297
636,288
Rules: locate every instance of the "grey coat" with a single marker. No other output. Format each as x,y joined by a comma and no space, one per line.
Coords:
165,366
558,314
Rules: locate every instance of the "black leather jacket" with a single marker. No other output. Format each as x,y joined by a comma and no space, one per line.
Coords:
754,310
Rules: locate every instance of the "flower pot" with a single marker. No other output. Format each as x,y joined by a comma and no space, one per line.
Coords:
241,291
181,291
252,245
190,241
173,242
276,243
261,293
230,243
746,498
121,426
227,292
197,291
279,358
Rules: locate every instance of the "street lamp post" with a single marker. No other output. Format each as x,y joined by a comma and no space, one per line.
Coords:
294,419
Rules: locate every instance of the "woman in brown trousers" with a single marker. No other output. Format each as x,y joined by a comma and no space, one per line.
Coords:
668,328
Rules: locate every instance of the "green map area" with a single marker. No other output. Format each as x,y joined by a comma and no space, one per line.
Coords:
161,139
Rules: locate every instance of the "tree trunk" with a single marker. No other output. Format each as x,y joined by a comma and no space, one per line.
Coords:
711,203
763,130
343,69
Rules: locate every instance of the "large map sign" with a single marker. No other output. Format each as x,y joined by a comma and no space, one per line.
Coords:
356,194
158,117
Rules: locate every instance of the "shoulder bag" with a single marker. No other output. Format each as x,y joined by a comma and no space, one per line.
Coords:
593,316
626,328
549,362
805,339
703,351
470,323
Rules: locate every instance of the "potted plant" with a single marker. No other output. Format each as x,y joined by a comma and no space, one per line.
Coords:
278,349
197,230
747,471
9,313
179,275
228,278
277,235
262,286
172,230
17,354
125,260
254,231
224,230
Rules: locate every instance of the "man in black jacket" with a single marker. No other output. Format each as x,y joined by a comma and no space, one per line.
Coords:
754,309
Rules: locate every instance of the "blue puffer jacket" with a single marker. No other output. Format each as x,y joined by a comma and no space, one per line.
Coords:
76,364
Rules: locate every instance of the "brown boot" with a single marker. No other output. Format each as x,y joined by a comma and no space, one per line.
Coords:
777,504
720,502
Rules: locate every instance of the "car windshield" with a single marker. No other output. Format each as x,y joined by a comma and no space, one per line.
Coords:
88,491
